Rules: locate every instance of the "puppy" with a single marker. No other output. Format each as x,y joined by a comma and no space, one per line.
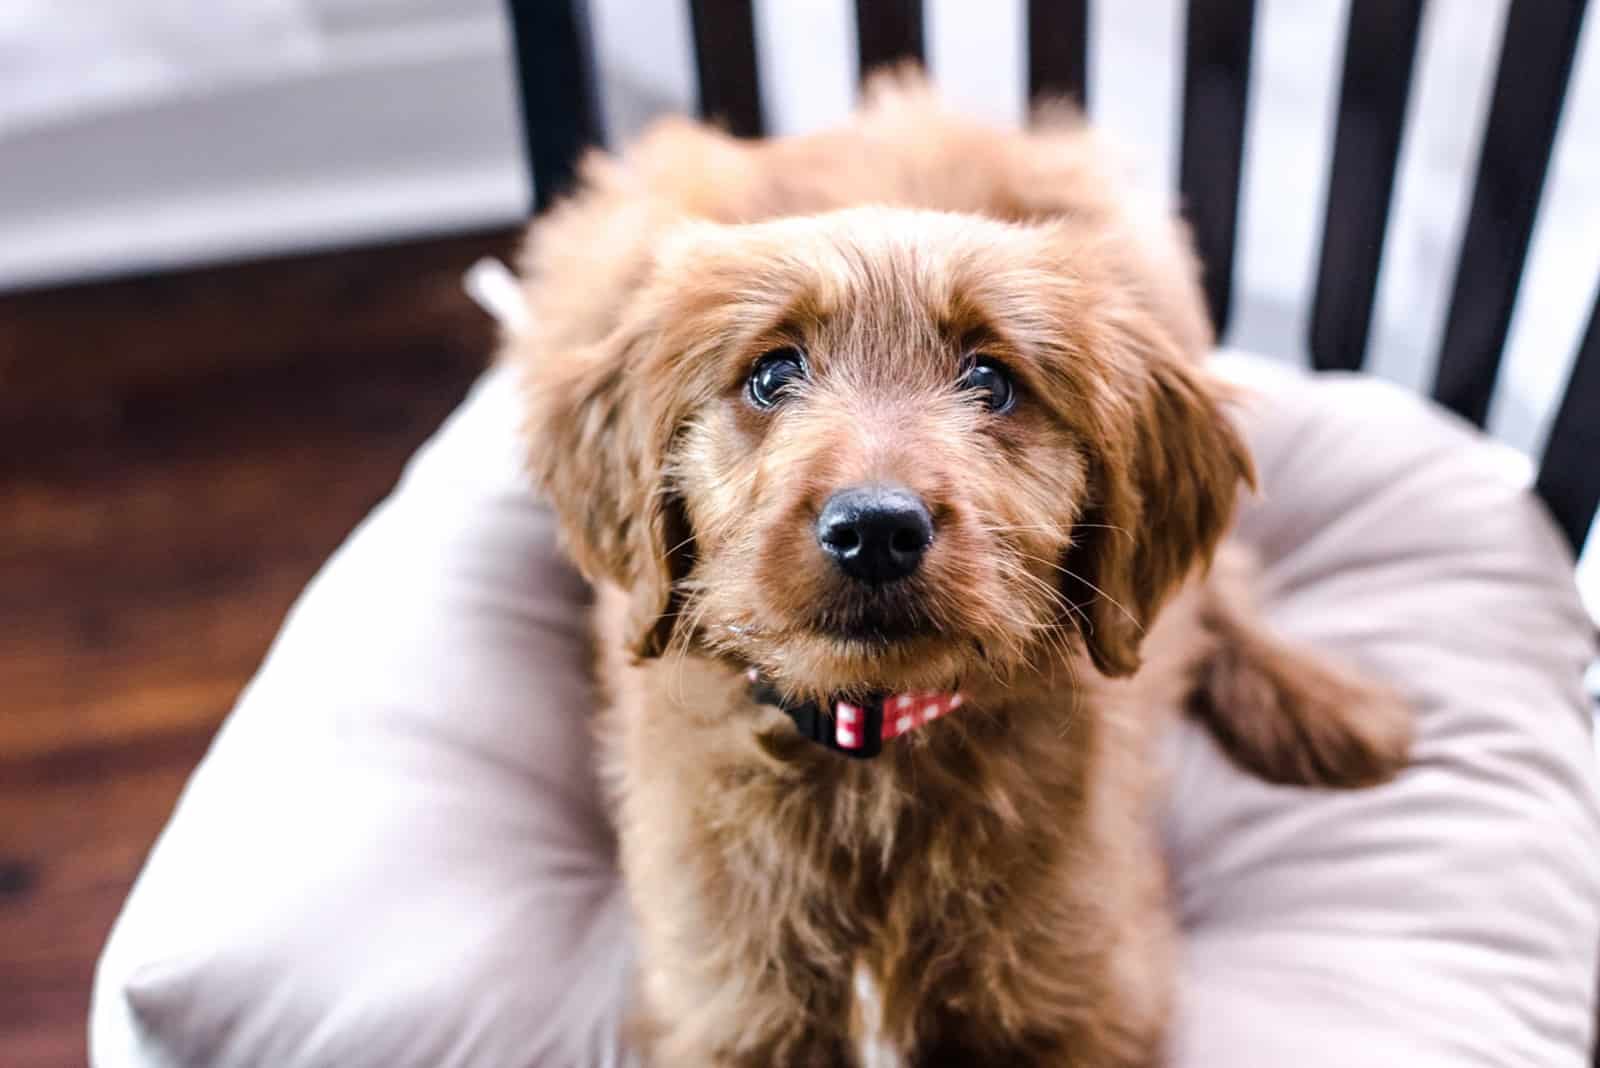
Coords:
892,456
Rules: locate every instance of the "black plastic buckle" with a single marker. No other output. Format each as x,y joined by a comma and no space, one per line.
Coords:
819,726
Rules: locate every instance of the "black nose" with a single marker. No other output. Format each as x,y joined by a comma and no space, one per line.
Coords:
875,533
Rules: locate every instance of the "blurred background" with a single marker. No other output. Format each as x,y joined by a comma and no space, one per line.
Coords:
232,234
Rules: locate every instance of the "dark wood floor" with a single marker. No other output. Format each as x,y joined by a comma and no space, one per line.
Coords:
178,454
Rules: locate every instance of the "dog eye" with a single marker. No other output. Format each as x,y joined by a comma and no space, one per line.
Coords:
773,374
987,378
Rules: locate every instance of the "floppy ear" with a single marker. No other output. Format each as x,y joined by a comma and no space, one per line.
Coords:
599,452
1164,482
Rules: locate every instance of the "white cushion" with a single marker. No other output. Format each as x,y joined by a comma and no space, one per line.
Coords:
394,854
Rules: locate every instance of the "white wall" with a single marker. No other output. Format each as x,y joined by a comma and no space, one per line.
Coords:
138,134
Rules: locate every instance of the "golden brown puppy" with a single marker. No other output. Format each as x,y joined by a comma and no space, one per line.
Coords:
912,409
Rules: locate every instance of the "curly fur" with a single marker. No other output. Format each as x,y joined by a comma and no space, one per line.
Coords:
995,872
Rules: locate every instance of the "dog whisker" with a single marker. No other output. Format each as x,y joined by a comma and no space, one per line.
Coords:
1125,532
1053,595
684,544
1118,605
680,644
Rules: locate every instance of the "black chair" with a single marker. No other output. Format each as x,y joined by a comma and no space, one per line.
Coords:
559,106
560,112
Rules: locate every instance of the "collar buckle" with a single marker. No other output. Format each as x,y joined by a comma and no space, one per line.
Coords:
854,730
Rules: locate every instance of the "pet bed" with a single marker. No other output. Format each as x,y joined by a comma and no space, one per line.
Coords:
394,854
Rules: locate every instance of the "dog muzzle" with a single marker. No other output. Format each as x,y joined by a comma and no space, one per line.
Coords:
857,728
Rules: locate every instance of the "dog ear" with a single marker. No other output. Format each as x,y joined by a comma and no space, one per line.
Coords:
599,452
1164,480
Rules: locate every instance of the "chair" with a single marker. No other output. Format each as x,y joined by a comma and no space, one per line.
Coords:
395,853
560,111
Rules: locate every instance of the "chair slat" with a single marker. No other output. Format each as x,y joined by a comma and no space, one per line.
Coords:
1216,86
560,112
1569,474
888,31
725,63
1531,83
1058,46
1380,50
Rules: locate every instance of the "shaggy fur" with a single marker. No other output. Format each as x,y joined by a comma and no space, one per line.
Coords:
994,873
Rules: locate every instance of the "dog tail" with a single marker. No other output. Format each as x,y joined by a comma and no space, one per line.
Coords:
1285,713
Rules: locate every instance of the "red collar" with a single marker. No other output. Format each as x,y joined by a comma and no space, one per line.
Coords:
858,728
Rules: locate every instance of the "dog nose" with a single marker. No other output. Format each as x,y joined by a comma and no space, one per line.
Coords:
875,534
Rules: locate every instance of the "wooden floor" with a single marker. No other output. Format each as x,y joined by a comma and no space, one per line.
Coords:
178,454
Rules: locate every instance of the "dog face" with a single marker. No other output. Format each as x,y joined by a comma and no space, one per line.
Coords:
883,450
